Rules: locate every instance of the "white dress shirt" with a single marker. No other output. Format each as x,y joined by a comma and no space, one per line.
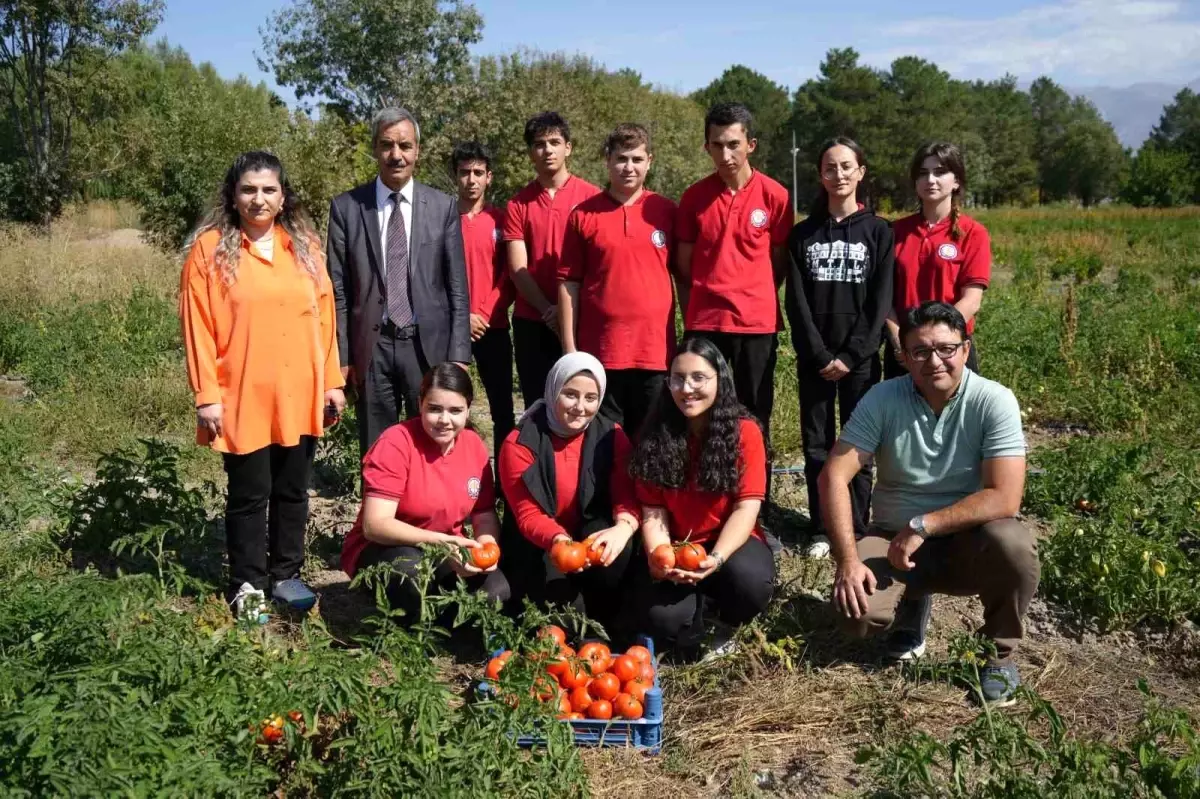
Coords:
384,207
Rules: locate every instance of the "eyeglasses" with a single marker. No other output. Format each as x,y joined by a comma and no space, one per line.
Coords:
833,172
944,352
695,381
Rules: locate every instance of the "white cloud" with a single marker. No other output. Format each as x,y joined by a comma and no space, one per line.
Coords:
1112,41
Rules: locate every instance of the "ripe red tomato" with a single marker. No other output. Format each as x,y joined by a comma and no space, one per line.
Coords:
574,675
544,688
555,632
637,688
564,706
561,662
595,556
495,664
663,557
627,707
568,556
690,556
606,686
573,716
486,556
640,653
580,699
625,667
296,716
597,656
271,735
601,709
646,673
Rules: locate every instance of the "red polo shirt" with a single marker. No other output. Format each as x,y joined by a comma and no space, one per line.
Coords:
538,219
488,281
435,492
733,280
699,515
931,265
618,254
533,522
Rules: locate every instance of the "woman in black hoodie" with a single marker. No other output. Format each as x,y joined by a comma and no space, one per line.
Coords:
839,291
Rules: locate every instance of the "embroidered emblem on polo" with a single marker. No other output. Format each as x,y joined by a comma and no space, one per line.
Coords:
948,251
758,217
659,238
473,488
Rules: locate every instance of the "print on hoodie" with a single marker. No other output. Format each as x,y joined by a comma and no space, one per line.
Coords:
839,261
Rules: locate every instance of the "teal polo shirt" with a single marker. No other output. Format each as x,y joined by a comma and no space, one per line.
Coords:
925,462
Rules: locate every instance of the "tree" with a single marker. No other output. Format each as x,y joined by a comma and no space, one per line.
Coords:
49,51
1051,113
357,55
1077,151
1158,177
1001,165
1178,131
771,107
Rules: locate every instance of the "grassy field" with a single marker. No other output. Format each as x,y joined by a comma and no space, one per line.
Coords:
121,674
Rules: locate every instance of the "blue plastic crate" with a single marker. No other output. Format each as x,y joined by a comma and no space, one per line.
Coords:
644,733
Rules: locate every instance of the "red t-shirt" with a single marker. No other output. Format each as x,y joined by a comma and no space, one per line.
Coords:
533,522
538,219
435,492
703,513
488,281
733,279
618,254
930,265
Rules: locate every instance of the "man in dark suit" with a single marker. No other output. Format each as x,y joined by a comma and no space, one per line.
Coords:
399,279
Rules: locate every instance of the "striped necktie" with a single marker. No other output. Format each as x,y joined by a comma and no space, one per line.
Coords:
399,307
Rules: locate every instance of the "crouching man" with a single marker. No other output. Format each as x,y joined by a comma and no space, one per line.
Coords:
950,462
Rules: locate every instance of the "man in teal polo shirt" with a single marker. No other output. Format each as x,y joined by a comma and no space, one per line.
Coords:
950,464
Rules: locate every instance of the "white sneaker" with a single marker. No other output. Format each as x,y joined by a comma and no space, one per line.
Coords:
249,604
723,645
818,547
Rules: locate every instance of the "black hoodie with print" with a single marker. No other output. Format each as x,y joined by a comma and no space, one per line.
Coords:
839,287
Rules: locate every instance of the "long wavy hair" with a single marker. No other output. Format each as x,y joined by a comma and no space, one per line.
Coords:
951,158
223,216
662,456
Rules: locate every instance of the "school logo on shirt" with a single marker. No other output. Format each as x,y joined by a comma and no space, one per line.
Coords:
473,488
758,217
659,239
948,251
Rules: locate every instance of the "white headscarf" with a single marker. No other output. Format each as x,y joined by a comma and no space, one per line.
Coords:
560,374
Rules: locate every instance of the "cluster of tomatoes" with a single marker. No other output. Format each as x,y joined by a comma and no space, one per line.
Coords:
591,683
571,556
687,556
270,732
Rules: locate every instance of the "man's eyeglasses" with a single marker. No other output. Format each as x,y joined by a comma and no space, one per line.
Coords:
695,381
944,351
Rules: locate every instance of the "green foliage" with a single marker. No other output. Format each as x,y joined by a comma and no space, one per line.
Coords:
1158,178
1078,153
1178,131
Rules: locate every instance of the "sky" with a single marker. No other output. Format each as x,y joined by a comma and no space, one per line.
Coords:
684,44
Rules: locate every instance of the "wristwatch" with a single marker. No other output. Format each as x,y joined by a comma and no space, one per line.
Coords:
917,525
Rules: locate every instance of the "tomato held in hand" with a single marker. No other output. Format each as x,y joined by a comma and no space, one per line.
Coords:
601,709
690,556
486,556
663,557
595,556
597,656
627,707
625,667
606,686
568,556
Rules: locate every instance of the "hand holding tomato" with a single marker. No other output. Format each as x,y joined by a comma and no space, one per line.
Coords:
462,559
568,556
611,542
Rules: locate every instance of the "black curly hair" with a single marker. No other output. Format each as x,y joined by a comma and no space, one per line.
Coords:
662,457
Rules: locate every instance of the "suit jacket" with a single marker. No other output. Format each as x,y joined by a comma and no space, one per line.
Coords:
437,282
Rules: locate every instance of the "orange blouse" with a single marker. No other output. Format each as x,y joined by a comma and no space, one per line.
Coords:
265,347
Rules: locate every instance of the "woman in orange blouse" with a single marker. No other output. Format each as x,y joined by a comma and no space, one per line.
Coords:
258,329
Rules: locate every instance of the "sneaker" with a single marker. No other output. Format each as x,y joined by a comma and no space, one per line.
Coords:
999,683
818,547
723,644
250,605
293,593
906,641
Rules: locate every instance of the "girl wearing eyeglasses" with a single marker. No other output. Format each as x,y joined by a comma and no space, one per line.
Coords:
839,291
941,253
700,470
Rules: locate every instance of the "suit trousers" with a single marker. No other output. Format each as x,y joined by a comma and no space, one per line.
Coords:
818,432
494,361
392,381
266,513
996,562
536,348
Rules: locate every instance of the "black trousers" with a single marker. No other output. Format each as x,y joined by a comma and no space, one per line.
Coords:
266,513
493,354
404,594
629,396
536,348
818,432
673,614
893,368
392,382
596,591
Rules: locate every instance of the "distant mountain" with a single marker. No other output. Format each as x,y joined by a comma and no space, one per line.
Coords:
1135,109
